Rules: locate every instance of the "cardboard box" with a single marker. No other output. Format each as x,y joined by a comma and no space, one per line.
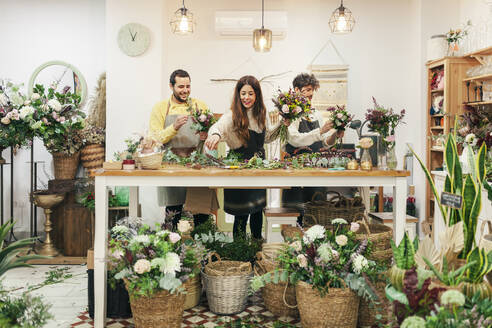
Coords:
90,259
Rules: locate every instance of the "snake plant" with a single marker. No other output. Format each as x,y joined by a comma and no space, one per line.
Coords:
449,278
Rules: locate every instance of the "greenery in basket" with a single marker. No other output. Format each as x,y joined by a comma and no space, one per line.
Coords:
481,265
15,116
404,254
92,135
324,259
151,260
469,186
57,119
449,277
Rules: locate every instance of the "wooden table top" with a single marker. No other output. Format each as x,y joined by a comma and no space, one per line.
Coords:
176,170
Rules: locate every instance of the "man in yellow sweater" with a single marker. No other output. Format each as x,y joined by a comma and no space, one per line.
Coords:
171,124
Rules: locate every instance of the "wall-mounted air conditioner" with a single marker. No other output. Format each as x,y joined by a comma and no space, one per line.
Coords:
242,23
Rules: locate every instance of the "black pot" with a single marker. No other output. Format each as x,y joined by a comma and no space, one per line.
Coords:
118,302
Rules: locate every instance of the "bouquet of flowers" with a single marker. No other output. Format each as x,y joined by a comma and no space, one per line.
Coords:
203,119
454,36
15,114
291,106
326,259
57,119
151,260
384,121
340,117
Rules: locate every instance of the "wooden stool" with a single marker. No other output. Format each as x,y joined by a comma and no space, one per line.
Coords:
278,216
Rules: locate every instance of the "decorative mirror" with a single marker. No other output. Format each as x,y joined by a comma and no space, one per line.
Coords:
61,73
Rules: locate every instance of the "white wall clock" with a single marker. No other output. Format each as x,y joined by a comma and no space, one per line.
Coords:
133,39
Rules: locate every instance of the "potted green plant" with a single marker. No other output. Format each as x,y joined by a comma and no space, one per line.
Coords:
128,156
475,273
404,259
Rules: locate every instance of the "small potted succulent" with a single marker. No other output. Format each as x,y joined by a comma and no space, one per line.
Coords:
128,155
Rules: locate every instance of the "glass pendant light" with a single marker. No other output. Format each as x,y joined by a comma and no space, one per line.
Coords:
262,37
341,21
183,23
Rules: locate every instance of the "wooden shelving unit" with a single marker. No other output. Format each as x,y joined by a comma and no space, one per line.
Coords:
454,93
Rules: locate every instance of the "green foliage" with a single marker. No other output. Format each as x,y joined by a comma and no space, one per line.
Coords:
25,311
404,254
481,265
447,277
205,228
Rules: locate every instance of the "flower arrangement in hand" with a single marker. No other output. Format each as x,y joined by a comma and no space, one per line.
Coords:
203,119
57,119
291,106
15,114
326,259
384,121
340,117
151,260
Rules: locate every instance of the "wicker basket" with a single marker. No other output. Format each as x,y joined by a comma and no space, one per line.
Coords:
92,156
470,289
337,309
378,234
289,232
277,296
323,212
113,165
65,165
193,289
227,285
270,251
150,162
368,310
162,309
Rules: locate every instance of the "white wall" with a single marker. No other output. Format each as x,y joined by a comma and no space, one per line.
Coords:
34,32
476,10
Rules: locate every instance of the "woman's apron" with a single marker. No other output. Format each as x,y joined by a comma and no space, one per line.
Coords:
247,201
297,196
182,144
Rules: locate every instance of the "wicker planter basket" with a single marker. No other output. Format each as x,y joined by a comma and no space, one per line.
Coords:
289,232
337,309
92,156
227,285
470,289
323,212
378,234
113,165
270,251
193,289
65,165
279,299
162,309
150,162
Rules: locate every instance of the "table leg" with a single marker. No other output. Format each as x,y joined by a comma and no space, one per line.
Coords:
133,202
399,208
100,250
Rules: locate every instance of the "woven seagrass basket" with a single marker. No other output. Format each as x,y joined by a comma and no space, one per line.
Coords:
193,289
65,165
150,162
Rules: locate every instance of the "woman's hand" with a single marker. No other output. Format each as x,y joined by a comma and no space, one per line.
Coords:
286,122
212,141
203,135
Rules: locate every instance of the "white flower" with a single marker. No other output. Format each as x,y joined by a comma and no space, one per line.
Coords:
25,111
366,142
302,260
35,96
296,245
158,262
14,115
162,233
471,139
335,254
354,227
3,99
340,115
45,107
5,120
452,297
297,110
174,237
55,105
313,233
184,226
16,99
325,252
172,263
202,118
285,109
119,230
339,221
141,266
141,239
62,119
117,254
359,263
413,322
341,240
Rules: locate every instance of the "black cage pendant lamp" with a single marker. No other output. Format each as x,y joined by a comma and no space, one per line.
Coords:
182,22
262,37
341,21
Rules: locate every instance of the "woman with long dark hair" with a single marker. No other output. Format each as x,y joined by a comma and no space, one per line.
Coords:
245,129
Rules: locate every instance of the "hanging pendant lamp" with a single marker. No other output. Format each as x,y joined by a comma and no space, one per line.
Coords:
182,23
341,21
262,37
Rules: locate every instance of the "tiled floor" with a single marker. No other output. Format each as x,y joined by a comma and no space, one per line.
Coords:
69,302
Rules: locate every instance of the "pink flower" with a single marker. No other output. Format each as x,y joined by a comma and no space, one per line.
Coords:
354,227
62,119
285,109
174,237
202,118
55,115
302,260
45,120
340,115
390,138
297,110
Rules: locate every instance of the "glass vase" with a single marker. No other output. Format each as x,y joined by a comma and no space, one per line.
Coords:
365,160
391,160
382,152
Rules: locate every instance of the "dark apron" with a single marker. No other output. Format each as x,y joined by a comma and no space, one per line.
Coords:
297,196
247,201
